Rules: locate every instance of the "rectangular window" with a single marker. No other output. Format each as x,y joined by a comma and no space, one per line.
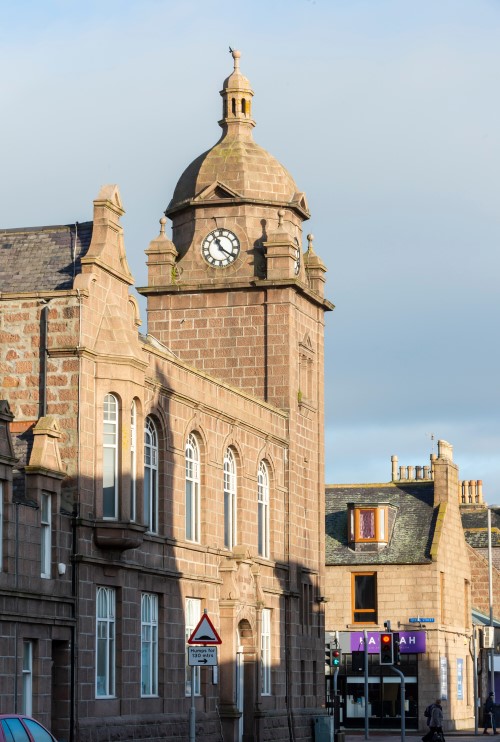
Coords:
46,535
1,526
364,597
28,678
193,615
105,643
149,645
265,653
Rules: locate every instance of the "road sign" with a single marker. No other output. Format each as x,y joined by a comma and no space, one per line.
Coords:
202,656
421,620
204,633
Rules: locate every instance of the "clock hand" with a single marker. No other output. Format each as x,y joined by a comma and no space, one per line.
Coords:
222,249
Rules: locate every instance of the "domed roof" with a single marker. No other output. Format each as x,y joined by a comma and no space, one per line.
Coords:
236,163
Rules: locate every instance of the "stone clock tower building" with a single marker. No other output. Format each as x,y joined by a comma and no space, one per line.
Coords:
157,476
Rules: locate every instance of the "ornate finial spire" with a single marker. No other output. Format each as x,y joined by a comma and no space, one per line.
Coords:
281,214
310,248
163,221
237,96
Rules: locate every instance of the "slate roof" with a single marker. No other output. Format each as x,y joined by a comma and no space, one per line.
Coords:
42,258
413,530
475,525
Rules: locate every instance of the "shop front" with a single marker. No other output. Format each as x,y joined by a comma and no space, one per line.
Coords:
384,685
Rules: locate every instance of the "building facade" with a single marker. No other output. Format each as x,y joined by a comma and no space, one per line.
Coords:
396,553
149,478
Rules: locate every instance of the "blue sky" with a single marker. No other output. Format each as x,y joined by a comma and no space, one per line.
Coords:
387,115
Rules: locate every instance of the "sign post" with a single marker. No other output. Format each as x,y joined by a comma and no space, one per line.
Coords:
206,635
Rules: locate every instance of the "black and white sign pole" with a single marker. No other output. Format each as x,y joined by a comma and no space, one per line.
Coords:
192,711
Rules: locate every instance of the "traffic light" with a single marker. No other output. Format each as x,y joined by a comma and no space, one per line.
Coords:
395,649
386,649
336,657
328,659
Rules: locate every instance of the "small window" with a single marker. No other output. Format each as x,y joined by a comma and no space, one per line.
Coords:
45,536
367,524
364,597
27,678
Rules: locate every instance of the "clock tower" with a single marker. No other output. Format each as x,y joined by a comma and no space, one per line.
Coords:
232,293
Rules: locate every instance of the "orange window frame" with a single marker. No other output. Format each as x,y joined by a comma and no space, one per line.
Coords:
371,613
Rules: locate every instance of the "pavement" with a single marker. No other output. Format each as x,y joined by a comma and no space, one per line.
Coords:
462,735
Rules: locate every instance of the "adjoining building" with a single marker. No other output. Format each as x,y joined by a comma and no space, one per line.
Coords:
148,478
396,552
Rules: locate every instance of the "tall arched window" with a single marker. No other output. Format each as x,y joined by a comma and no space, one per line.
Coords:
150,476
133,460
263,506
110,458
192,489
229,499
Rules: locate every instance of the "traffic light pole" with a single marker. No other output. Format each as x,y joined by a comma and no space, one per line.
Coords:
403,718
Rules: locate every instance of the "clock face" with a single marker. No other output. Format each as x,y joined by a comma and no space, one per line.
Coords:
297,258
220,248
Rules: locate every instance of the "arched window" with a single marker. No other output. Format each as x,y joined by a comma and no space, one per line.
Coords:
229,499
263,506
192,489
150,476
133,460
110,458
105,642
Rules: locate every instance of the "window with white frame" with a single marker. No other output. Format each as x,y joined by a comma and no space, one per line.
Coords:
263,505
150,476
110,457
192,489
193,615
149,644
133,461
46,535
265,653
27,704
105,643
229,499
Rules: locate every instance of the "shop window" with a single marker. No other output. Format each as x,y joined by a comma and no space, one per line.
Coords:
364,597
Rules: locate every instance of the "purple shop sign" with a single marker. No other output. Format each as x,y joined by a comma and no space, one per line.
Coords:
410,642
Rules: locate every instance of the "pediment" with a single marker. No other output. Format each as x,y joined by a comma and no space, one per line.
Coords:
306,342
300,200
216,191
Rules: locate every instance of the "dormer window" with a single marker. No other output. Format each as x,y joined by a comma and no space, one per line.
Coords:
368,524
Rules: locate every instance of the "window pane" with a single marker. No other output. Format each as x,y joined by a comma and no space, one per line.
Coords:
364,592
367,523
38,733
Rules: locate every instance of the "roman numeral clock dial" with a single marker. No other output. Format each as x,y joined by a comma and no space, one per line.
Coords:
220,248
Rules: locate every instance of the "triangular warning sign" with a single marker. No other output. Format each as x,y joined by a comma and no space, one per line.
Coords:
204,633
